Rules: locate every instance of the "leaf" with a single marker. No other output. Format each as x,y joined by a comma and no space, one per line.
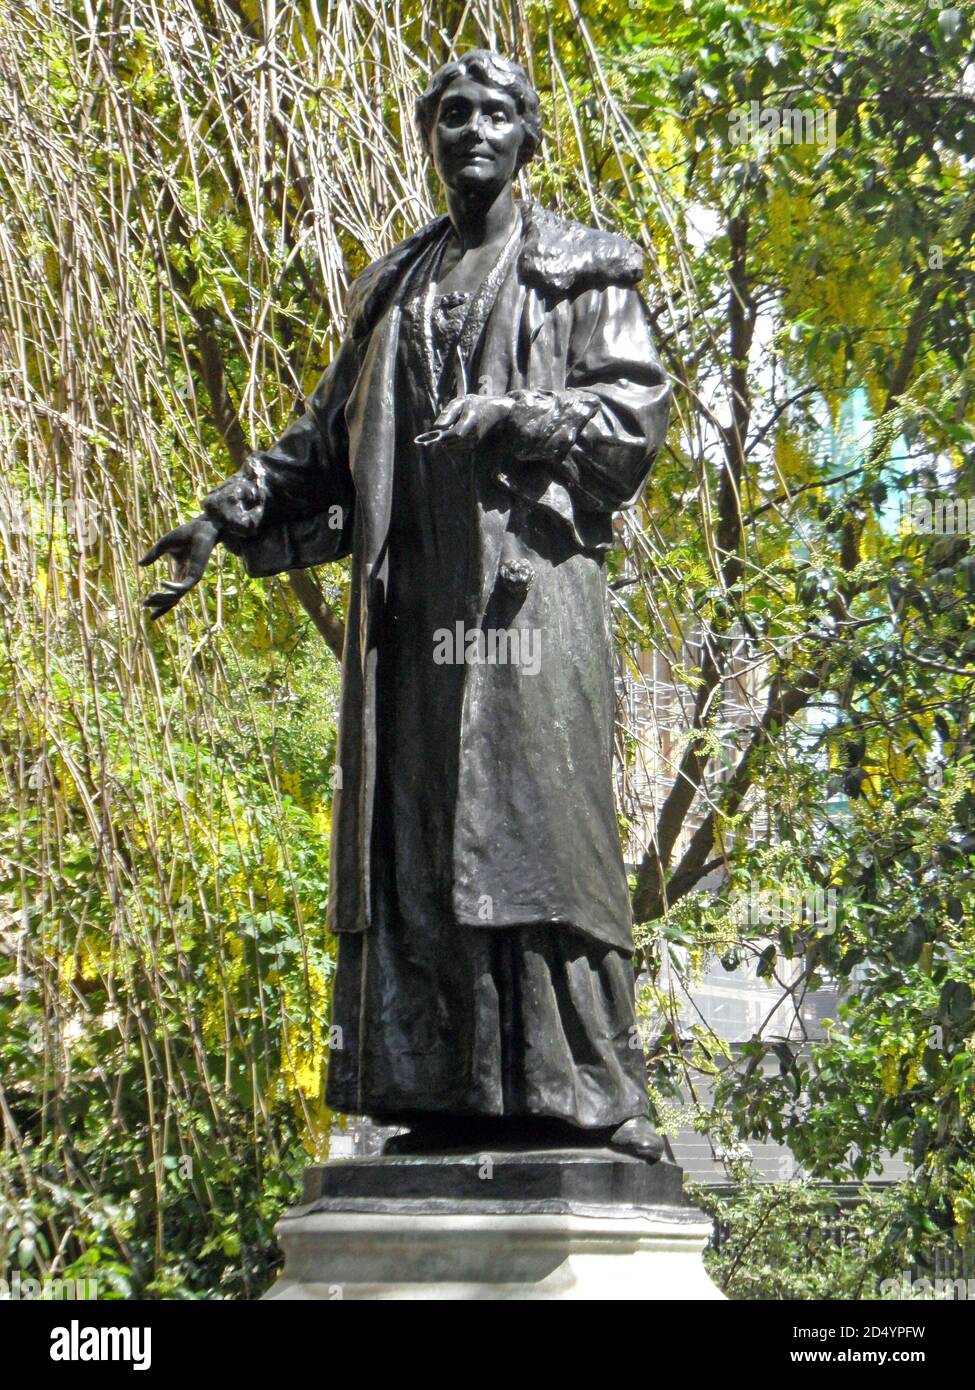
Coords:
908,945
955,1002
766,963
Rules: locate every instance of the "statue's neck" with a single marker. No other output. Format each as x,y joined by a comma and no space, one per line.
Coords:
479,221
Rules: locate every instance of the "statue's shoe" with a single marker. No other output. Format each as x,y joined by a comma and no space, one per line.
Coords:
639,1138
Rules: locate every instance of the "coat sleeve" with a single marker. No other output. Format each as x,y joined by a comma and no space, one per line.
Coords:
598,437
292,505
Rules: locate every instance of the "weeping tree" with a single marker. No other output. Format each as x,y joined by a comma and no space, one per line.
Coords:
188,189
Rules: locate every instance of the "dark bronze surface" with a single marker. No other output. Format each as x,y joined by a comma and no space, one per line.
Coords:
497,398
598,1177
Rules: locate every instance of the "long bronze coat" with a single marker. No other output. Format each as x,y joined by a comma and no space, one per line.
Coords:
534,832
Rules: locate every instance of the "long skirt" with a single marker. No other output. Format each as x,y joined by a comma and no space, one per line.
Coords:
452,1020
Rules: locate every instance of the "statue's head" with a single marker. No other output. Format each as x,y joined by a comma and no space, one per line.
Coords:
480,121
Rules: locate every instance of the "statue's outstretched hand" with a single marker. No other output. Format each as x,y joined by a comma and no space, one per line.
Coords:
190,546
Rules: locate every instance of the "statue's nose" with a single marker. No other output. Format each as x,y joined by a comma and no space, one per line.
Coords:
476,126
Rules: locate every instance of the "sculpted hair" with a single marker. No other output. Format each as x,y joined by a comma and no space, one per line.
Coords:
490,70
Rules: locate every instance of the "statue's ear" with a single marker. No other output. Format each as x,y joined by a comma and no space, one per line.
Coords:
530,149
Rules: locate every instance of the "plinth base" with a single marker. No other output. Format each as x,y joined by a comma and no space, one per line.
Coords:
571,1224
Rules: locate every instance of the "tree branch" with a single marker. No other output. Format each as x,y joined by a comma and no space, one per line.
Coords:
315,604
690,773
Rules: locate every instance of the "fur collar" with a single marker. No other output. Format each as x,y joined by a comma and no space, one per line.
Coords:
557,257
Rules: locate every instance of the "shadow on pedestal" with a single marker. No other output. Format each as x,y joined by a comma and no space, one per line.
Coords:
495,1224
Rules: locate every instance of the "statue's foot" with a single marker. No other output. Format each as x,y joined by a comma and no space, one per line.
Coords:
639,1138
425,1137
444,1133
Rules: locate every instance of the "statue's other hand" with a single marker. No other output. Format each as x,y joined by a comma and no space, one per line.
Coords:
190,546
468,420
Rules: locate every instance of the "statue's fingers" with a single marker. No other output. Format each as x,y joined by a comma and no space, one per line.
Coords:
158,603
168,595
171,541
449,439
447,417
466,423
153,553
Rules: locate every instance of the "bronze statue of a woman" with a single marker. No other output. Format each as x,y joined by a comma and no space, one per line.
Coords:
496,399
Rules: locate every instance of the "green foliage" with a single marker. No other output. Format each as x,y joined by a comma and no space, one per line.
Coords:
164,1013
792,1240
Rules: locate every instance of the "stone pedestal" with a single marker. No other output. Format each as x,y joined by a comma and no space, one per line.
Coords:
572,1224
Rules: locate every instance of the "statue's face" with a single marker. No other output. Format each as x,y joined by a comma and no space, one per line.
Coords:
477,137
